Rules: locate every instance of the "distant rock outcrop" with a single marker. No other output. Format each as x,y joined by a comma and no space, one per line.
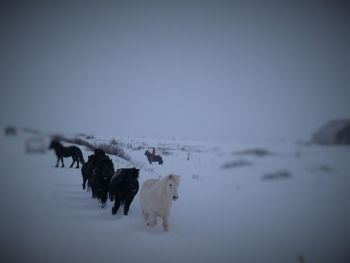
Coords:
333,132
10,131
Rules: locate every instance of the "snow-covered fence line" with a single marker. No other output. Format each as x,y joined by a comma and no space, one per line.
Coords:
113,149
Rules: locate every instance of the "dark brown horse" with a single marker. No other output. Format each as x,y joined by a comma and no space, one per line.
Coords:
64,152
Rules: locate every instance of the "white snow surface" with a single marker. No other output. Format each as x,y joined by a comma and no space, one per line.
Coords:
222,215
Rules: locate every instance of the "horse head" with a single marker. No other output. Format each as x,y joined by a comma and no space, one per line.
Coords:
99,153
54,144
172,183
132,181
134,172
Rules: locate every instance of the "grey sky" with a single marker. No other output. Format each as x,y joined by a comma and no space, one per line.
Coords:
184,69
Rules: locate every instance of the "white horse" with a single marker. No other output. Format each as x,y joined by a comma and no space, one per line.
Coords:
156,196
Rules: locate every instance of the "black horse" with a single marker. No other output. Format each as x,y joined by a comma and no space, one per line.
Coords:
123,188
101,175
151,158
70,151
86,171
88,167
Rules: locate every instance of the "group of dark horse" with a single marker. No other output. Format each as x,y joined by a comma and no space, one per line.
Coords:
98,174
76,154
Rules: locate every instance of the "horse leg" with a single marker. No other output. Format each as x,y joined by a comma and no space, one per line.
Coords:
88,185
77,163
145,215
127,203
93,191
165,223
126,207
116,206
72,162
84,183
104,197
152,219
58,159
62,161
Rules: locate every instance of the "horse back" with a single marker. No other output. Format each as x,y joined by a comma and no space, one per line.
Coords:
69,151
74,150
124,178
149,183
150,187
152,197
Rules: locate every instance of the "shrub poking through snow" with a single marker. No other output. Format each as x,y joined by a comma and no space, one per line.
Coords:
258,152
113,141
235,164
114,150
276,175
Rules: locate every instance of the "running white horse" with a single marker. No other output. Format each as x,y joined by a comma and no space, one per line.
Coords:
156,196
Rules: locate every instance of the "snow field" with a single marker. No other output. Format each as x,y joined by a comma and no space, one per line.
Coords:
226,215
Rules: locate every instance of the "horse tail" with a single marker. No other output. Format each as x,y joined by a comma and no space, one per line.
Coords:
81,157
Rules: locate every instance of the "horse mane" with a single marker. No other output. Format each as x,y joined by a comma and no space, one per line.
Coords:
56,143
176,178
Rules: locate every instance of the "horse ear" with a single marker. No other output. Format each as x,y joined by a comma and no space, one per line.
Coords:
175,178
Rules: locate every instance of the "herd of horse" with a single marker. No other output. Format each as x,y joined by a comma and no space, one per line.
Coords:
122,185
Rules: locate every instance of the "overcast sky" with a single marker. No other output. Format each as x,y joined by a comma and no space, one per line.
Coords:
175,69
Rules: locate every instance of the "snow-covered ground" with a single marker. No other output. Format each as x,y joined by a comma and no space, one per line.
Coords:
244,213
